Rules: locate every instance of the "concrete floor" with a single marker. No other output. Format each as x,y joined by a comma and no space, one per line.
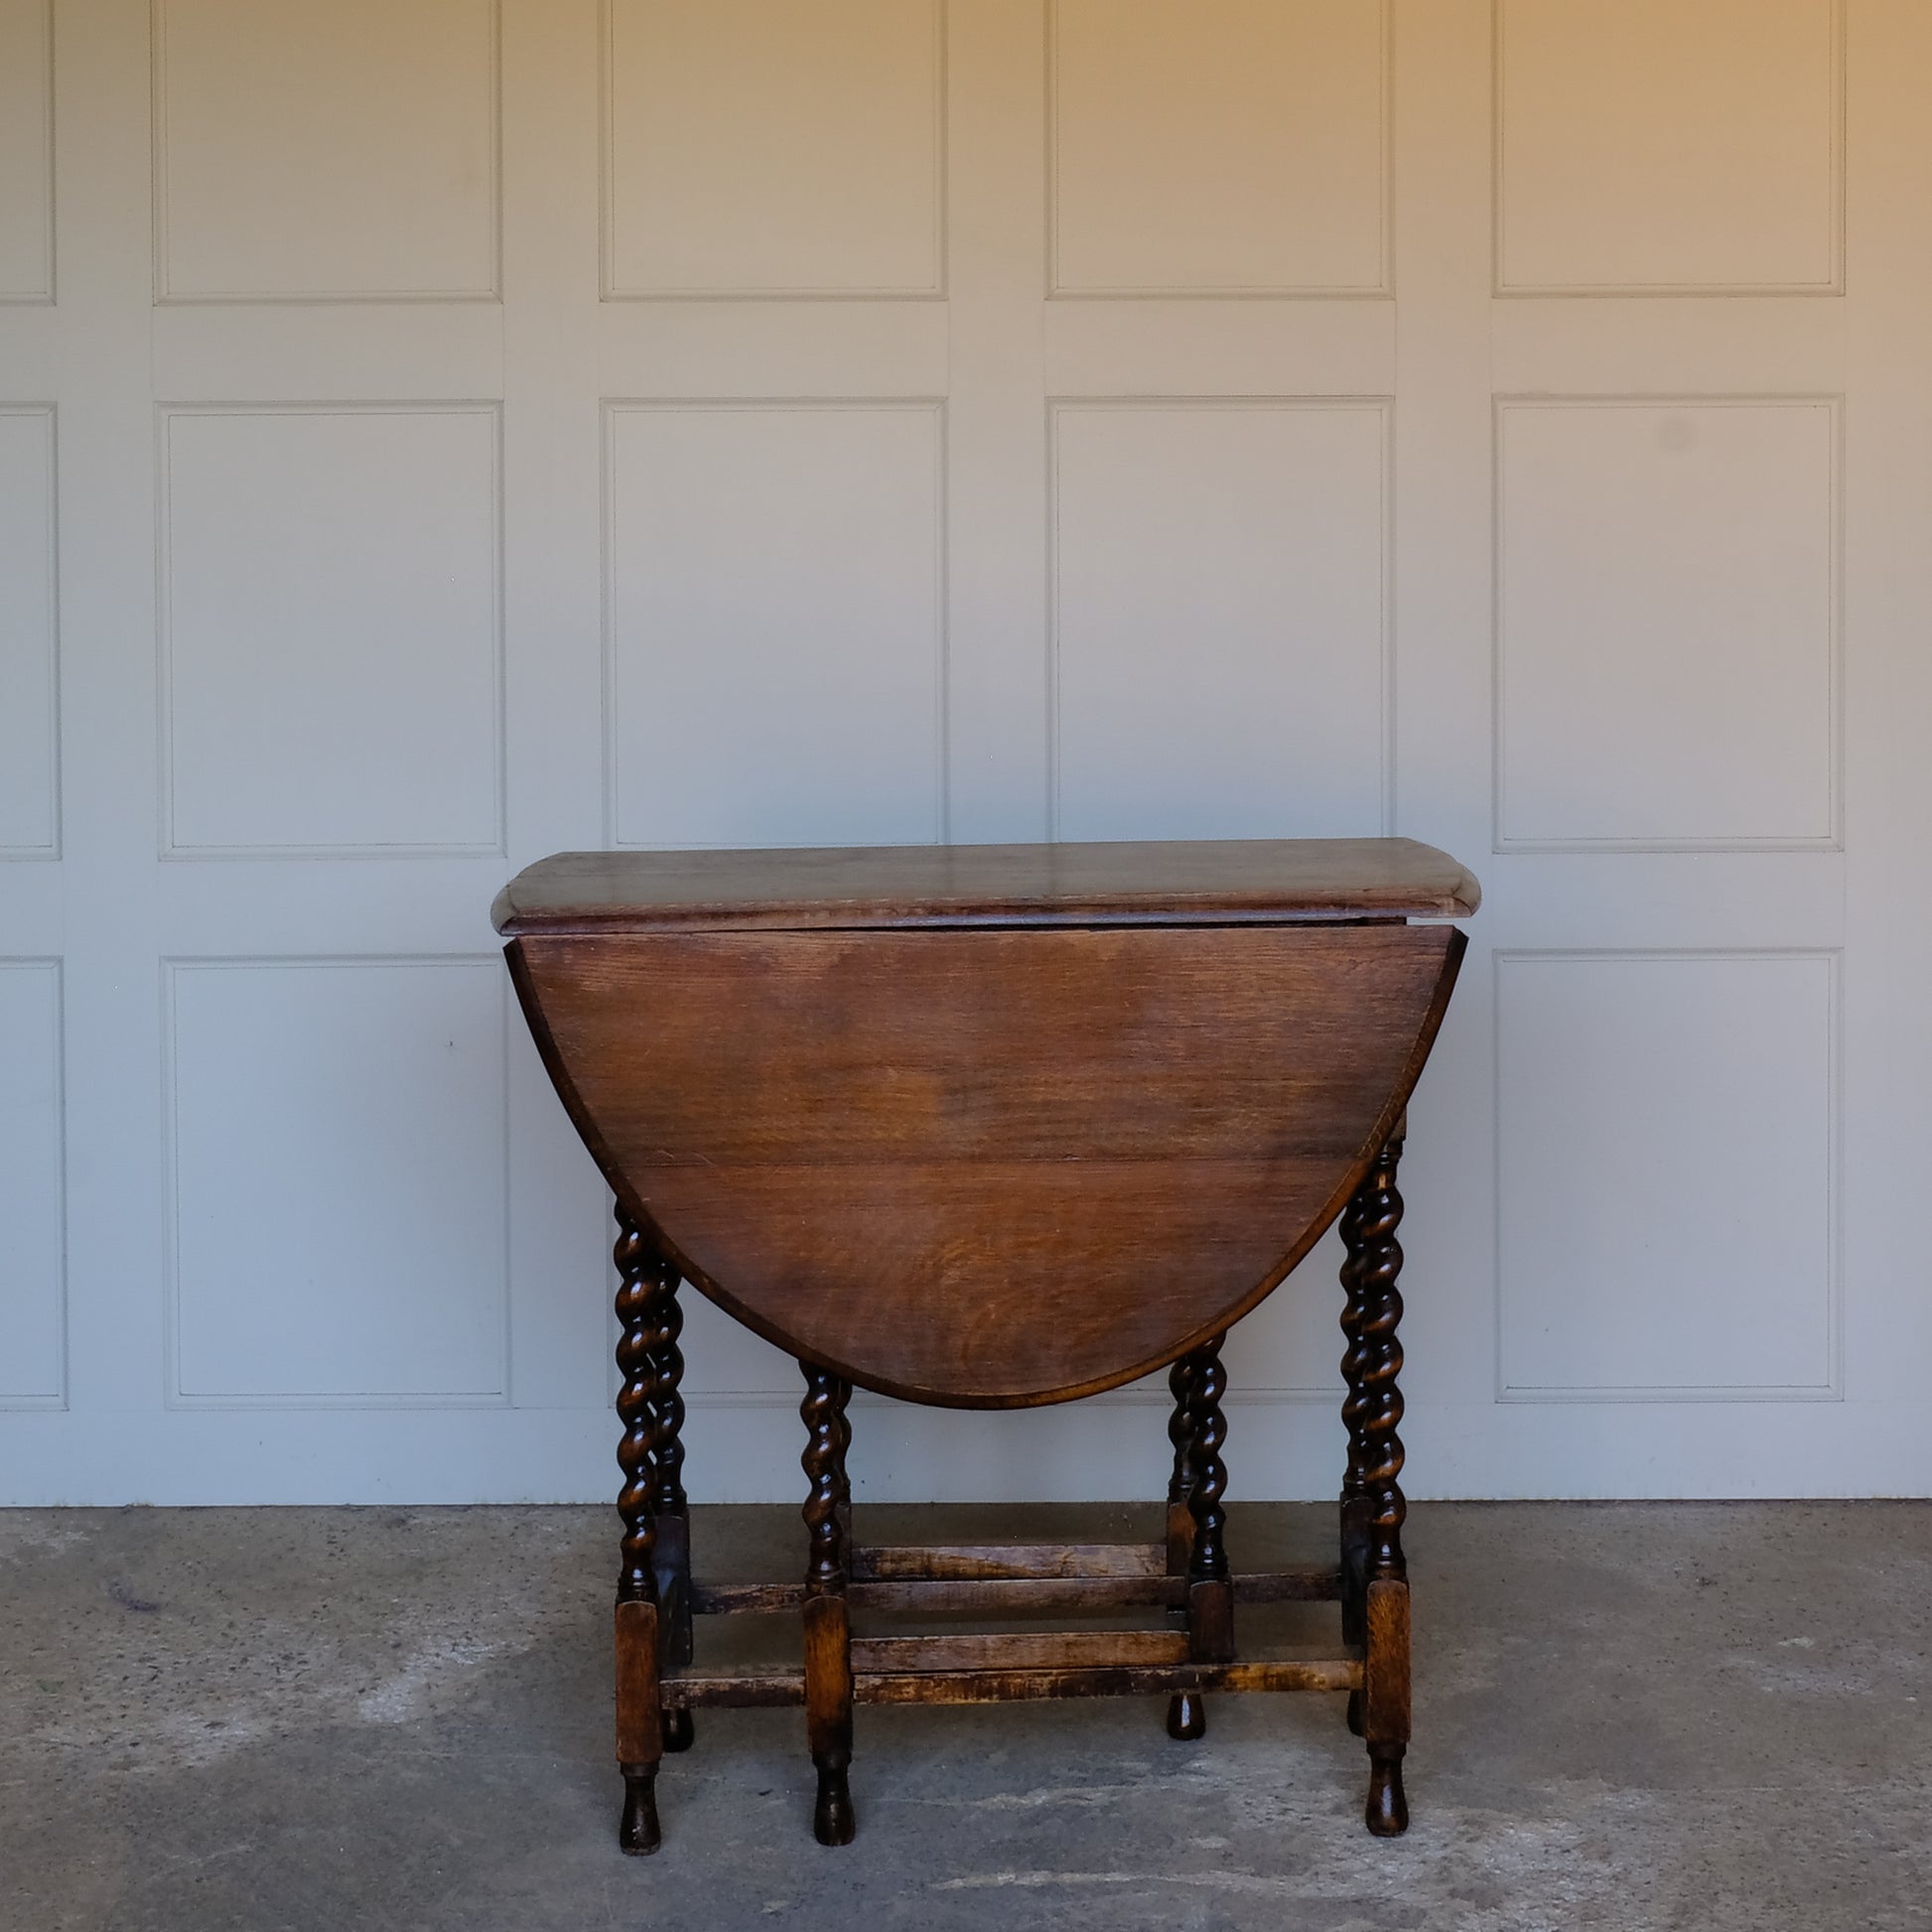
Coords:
1714,1715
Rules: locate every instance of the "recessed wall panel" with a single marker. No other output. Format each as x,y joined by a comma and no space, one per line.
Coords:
32,1289
339,1162
1219,620
776,623
757,147
1666,660
324,149
28,762
1668,145
26,151
330,629
1220,147
1666,1174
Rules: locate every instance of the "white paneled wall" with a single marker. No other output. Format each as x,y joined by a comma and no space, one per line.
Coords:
343,152
1196,546
330,636
1599,1126
33,1290
1683,548
27,151
438,433
29,645
1648,146
777,586
756,150
1220,147
296,1084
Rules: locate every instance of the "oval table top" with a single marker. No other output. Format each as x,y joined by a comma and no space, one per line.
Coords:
987,1126
1179,881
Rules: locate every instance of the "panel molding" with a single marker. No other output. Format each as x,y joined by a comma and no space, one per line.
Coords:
58,1399
610,290
1832,1389
165,296
614,408
50,413
42,298
1833,840
1384,406
1503,289
165,415
174,1396
1383,288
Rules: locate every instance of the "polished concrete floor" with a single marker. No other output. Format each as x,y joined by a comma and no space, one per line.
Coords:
1711,1717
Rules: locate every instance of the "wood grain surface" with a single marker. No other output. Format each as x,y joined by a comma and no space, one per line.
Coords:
984,1168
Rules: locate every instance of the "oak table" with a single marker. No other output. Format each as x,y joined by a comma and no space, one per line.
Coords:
992,1127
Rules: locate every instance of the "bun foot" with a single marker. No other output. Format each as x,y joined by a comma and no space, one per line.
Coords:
1387,1813
1355,1712
833,1820
1187,1715
680,1731
639,1833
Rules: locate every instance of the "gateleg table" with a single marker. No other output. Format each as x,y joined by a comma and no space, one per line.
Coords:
992,1127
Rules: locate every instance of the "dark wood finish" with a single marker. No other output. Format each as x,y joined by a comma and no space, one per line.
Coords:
735,1690
1200,1381
992,1127
1375,1586
1208,1560
1024,1595
1180,1515
1018,1650
1196,881
668,1505
750,1688
640,1287
1143,1680
1385,1705
1186,1716
1355,1505
828,1624
936,1156
1210,1589
640,1722
669,1511
1318,1584
1187,1710
640,1284
1373,1410
965,1562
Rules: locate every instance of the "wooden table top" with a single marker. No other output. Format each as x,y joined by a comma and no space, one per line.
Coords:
1205,882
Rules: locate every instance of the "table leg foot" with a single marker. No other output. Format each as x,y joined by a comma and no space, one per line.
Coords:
639,1833
680,1734
833,1818
1386,1812
1187,1715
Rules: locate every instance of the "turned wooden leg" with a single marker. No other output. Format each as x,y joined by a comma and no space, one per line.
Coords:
845,1479
1375,1576
643,1286
1180,1433
828,1625
669,1510
1355,1506
1187,1712
1210,1589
